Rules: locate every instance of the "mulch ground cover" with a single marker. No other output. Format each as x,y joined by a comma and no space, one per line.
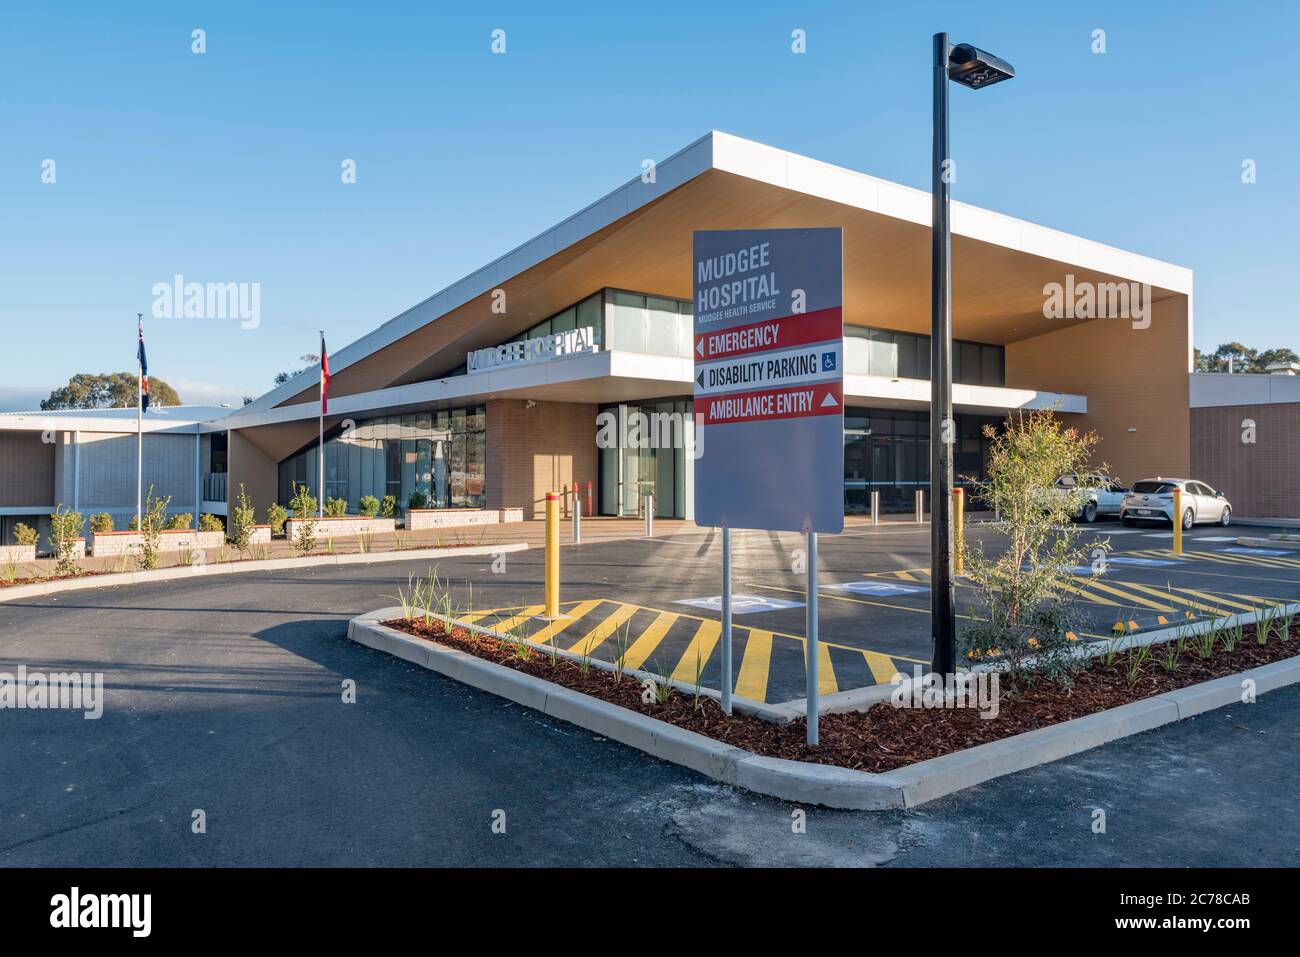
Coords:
886,737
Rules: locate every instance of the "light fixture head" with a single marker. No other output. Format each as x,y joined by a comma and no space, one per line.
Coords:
970,66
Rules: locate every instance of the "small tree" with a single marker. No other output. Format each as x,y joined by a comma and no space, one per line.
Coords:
152,523
65,527
304,506
242,520
1027,611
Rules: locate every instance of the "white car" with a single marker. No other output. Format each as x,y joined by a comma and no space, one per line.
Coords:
1099,494
1153,500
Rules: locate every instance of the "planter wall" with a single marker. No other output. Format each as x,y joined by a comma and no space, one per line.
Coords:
17,553
418,518
169,540
512,515
261,535
334,526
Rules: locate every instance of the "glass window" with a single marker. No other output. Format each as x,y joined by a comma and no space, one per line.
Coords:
588,314
565,321
627,321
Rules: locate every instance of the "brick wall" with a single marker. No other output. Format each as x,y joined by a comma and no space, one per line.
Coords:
534,451
1260,479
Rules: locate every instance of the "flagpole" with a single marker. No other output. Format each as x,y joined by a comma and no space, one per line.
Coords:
320,444
139,432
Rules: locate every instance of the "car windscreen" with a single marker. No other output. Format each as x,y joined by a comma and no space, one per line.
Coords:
1152,488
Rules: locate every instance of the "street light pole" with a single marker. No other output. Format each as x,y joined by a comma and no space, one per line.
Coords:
943,616
976,69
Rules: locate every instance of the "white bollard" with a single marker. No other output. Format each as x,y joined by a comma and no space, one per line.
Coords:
920,505
650,515
875,506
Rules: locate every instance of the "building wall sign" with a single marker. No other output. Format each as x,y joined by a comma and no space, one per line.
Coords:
554,346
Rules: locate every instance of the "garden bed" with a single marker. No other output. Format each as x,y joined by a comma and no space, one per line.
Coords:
886,738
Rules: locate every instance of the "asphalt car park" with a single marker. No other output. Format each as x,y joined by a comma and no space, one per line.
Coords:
655,602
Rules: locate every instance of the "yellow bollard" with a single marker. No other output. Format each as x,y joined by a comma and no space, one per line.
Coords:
1178,520
552,555
958,510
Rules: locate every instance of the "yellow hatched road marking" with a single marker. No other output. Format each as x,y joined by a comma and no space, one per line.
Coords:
906,576
1190,603
475,616
698,651
1222,600
754,666
826,683
596,637
649,639
544,635
882,667
1076,590
1136,599
508,623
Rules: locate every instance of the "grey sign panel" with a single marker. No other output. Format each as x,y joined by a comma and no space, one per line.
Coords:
769,378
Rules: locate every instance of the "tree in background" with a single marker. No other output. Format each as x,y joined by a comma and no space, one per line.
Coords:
112,390
1242,358
309,360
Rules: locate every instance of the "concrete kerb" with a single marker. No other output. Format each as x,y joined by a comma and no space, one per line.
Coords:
37,589
803,782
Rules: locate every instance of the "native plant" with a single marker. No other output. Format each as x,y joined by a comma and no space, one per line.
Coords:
276,516
368,506
180,521
304,508
65,528
210,523
25,534
242,519
1026,609
153,521
101,522
388,508
336,507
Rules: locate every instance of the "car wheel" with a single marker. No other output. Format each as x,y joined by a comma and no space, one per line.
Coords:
1226,517
1090,512
1128,522
1188,520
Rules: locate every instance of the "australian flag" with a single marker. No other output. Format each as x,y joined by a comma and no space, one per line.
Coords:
144,371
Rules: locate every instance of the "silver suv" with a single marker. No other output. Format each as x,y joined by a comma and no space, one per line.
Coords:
1152,500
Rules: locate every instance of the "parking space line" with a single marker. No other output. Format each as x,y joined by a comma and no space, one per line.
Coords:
755,664
698,651
649,639
596,637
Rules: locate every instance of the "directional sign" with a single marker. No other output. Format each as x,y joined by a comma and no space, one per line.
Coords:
769,379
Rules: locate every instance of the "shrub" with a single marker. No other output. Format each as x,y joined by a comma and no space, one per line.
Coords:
304,507
417,500
101,522
336,507
368,507
25,534
210,523
151,527
181,520
276,516
389,507
242,520
1026,609
65,527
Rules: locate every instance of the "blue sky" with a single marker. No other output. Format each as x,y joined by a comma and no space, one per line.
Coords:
225,166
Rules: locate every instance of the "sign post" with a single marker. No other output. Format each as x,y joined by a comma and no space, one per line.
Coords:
769,395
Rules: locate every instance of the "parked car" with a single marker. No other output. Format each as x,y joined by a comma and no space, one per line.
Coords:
1153,500
1099,494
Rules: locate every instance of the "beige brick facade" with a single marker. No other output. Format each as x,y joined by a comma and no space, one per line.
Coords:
532,451
1260,478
